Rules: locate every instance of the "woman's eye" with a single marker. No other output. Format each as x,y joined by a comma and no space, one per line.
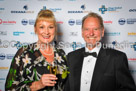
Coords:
51,27
41,27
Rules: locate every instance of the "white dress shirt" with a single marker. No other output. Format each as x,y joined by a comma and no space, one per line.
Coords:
87,70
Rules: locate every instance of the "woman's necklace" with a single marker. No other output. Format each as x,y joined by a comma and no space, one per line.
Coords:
49,54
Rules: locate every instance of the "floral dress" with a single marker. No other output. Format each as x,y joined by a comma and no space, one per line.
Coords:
28,65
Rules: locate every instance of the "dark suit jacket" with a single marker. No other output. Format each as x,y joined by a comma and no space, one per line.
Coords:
111,71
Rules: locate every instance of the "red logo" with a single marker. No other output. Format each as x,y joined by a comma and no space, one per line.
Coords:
0,21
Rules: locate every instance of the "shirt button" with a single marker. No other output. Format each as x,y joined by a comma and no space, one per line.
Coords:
86,83
87,71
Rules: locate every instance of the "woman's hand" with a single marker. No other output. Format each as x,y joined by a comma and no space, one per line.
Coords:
46,80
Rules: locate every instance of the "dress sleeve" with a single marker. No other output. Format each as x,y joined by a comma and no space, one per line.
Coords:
15,80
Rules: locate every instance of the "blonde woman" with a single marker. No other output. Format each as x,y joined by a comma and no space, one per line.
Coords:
30,67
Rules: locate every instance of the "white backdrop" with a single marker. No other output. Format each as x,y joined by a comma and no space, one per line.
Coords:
17,18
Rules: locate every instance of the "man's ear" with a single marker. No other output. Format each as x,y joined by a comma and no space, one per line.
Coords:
82,32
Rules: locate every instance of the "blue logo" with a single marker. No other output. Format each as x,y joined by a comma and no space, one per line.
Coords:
134,46
112,33
2,56
44,8
103,9
2,8
122,21
71,22
25,7
83,7
18,33
24,21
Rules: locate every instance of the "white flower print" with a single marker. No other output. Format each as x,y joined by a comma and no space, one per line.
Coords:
39,59
59,58
17,60
26,60
21,72
15,82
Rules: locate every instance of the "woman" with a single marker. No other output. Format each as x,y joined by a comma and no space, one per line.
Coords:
30,68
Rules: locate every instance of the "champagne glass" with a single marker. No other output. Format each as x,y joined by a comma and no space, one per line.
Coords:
53,69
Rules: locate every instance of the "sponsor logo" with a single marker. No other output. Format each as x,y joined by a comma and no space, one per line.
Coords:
2,78
132,10
73,34
2,56
132,59
2,8
4,68
82,7
52,9
134,46
122,21
9,56
108,22
17,33
60,22
26,21
7,22
3,32
71,22
112,33
55,9
104,9
25,7
132,34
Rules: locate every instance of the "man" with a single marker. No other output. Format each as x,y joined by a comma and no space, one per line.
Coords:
103,70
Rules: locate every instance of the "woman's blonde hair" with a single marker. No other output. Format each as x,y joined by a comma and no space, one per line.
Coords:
45,15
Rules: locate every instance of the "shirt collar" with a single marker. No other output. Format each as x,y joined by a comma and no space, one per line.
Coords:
96,49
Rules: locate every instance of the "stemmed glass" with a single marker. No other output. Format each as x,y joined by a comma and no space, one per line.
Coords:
53,68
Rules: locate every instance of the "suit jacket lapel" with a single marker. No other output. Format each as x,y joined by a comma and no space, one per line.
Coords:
76,71
99,69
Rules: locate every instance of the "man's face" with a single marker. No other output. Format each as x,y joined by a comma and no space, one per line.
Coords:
92,31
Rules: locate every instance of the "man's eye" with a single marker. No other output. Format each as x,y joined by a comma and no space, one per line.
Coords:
95,29
86,29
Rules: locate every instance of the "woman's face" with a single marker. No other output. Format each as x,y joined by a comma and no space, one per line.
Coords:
45,31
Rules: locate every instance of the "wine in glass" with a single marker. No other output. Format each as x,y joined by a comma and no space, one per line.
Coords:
53,69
